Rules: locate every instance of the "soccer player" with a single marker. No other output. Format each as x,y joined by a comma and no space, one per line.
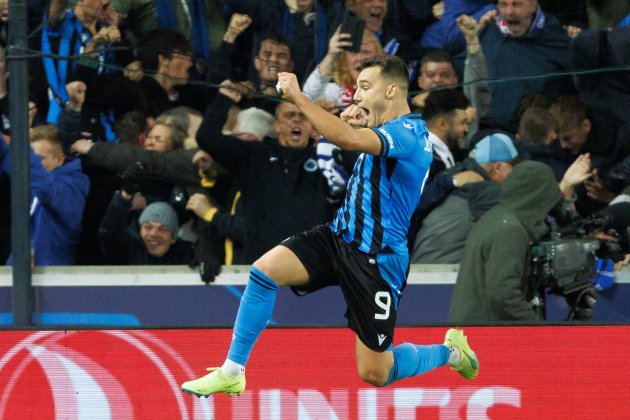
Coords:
364,249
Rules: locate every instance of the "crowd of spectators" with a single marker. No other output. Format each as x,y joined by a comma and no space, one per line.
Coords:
163,140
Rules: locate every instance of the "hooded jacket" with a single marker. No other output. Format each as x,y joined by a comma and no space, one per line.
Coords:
493,283
56,208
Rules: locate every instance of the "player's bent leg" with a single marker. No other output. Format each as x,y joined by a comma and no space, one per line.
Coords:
403,361
282,265
408,360
276,268
373,366
412,360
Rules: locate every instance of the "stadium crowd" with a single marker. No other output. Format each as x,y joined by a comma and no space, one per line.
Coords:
163,140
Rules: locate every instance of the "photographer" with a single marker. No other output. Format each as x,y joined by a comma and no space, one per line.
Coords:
498,278
494,282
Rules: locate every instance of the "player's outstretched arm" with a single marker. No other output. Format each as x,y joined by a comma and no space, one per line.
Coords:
341,132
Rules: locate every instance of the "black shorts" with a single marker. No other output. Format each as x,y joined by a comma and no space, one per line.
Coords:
329,260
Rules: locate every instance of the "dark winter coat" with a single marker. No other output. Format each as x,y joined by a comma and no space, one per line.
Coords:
536,53
283,190
122,245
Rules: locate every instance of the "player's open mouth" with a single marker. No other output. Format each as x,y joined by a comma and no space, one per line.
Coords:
365,110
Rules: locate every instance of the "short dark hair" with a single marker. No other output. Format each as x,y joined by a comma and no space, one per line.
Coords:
536,124
392,68
437,56
130,126
164,42
274,38
444,101
569,111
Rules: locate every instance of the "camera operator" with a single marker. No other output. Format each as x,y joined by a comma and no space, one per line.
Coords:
495,281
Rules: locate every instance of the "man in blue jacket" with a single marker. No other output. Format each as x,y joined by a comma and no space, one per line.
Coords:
58,191
523,41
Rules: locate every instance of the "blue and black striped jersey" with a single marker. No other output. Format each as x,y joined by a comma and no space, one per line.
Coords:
384,190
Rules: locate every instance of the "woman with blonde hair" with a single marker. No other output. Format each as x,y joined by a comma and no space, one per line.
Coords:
333,81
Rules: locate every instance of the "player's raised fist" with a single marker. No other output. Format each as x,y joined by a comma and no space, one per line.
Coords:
355,116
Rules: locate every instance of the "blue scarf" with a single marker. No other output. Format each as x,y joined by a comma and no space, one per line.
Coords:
56,70
57,75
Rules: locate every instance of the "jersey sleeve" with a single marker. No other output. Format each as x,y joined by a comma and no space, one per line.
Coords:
401,136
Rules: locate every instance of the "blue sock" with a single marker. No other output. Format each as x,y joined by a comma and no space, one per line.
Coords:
253,315
411,360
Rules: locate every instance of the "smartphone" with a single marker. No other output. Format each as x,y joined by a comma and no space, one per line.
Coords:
355,27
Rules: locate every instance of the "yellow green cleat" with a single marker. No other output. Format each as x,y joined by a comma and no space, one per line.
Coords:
468,365
214,382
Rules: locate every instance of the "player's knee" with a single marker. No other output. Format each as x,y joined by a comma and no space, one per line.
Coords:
373,376
262,265
266,265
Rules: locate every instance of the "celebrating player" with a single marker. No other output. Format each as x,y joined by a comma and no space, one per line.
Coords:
364,248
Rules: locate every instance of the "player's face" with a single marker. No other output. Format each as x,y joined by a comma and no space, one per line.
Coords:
156,237
292,126
370,95
436,74
457,127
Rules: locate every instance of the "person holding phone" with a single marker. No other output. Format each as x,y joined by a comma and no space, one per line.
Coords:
332,83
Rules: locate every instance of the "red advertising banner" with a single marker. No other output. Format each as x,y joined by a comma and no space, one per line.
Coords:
568,372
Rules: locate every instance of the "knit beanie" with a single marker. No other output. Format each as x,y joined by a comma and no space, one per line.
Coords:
163,213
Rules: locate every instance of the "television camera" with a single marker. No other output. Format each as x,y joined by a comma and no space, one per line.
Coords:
565,262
